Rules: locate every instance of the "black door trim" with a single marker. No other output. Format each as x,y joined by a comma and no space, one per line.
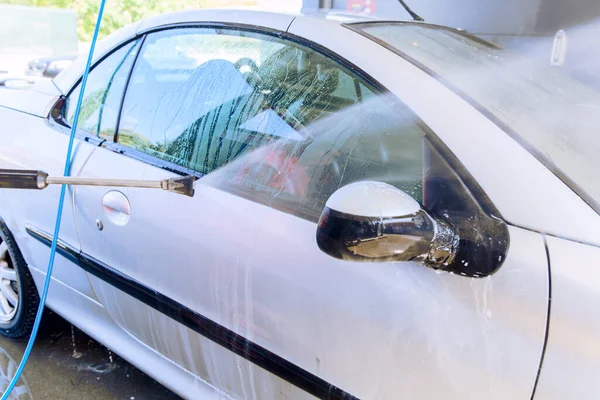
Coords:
211,330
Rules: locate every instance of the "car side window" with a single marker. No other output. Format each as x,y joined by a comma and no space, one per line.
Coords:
192,88
103,94
265,118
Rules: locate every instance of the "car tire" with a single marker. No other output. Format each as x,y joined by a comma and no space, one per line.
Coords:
17,324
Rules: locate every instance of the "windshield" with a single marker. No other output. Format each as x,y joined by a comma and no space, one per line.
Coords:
555,117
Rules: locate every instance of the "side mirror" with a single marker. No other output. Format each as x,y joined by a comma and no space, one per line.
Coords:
374,221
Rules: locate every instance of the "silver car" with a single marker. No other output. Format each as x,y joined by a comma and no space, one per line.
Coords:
382,210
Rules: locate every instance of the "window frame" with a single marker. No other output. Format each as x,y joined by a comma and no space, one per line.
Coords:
471,184
56,116
179,169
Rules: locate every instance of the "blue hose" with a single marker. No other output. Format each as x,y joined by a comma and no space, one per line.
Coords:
38,316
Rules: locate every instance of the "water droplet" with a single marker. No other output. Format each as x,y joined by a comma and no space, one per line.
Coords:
75,354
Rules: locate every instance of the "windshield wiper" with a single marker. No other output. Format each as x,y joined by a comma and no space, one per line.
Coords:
413,14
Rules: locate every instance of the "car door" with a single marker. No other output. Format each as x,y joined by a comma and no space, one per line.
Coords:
230,284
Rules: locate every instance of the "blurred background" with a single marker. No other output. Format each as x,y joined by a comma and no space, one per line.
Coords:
41,37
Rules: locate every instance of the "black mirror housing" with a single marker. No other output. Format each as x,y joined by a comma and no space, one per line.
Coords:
374,221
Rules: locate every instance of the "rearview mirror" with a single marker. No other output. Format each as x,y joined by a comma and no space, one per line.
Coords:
374,221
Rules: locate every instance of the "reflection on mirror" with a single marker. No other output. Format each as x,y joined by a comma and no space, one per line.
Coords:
374,221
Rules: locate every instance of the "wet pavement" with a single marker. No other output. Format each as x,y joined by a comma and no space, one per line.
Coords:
67,364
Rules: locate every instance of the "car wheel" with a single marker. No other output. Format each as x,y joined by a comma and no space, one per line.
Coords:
19,298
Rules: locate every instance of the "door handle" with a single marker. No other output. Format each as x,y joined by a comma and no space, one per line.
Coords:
116,207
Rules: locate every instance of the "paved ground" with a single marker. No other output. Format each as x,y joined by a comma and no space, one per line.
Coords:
67,364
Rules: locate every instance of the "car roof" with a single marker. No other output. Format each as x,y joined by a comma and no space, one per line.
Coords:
342,16
245,16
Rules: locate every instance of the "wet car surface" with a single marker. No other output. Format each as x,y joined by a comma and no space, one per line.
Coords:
67,364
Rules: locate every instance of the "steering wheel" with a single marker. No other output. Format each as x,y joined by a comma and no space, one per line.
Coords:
248,69
246,64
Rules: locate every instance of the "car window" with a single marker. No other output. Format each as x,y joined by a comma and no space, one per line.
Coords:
103,94
267,119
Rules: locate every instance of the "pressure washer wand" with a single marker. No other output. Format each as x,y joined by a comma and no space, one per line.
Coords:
38,180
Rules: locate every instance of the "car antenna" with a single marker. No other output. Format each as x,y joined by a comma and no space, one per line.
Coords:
413,14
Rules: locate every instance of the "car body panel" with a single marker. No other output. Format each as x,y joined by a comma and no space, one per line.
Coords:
226,373
35,99
210,362
571,363
91,317
275,21
356,325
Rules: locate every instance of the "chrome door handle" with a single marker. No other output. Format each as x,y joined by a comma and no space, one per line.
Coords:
116,207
